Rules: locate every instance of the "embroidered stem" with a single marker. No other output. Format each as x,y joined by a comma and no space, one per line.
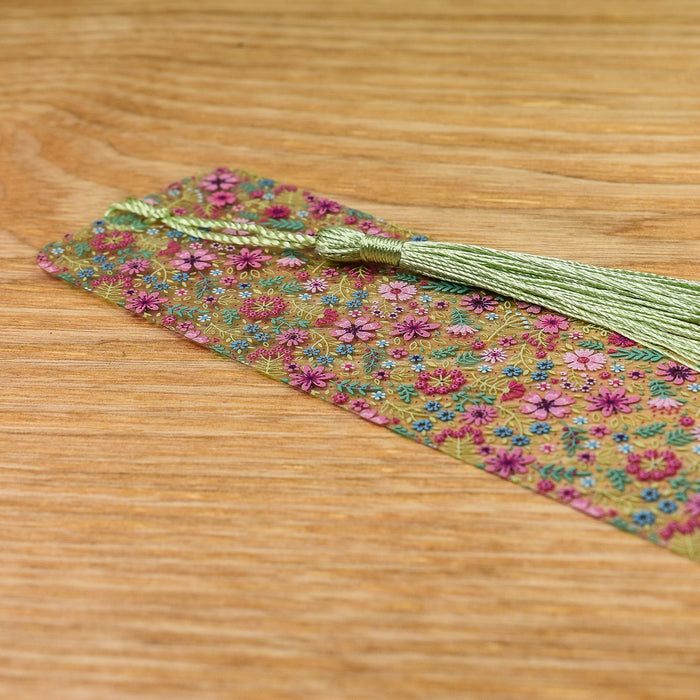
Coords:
660,312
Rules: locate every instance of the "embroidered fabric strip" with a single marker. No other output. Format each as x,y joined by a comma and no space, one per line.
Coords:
580,415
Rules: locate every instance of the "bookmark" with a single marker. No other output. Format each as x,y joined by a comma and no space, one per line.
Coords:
584,388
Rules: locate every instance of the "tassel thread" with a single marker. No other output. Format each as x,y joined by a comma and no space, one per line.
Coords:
660,312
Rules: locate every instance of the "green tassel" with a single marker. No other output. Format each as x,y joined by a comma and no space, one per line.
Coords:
660,312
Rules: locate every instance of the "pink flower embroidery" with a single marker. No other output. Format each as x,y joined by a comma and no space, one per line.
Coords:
145,301
609,402
197,258
540,407
397,291
221,198
317,284
506,463
693,505
676,373
412,327
461,329
290,261
479,414
309,377
292,337
248,258
551,323
135,266
494,355
478,303
350,330
371,414
584,359
219,180
665,404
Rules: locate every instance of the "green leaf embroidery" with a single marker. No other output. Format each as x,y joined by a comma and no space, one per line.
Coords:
550,471
290,287
623,525
660,389
359,214
647,431
406,392
468,359
285,224
571,438
591,344
351,387
448,287
270,281
182,311
447,351
678,437
401,430
229,316
371,358
460,318
618,478
638,354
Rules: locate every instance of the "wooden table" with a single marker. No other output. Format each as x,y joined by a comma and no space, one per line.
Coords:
275,547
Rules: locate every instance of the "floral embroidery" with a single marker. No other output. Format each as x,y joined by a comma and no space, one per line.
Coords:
583,416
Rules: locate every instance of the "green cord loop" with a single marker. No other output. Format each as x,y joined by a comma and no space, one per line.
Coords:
660,312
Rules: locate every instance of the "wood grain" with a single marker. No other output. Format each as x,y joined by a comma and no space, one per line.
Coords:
271,546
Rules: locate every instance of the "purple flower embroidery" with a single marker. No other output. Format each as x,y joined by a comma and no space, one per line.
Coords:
506,463
411,327
309,377
350,330
609,402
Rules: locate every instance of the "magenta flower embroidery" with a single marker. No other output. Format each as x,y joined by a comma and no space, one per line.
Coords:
277,211
197,258
350,330
506,463
440,381
551,323
609,402
319,206
653,464
540,407
263,307
145,301
412,327
309,377
246,258
583,359
676,373
478,303
112,240
397,291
